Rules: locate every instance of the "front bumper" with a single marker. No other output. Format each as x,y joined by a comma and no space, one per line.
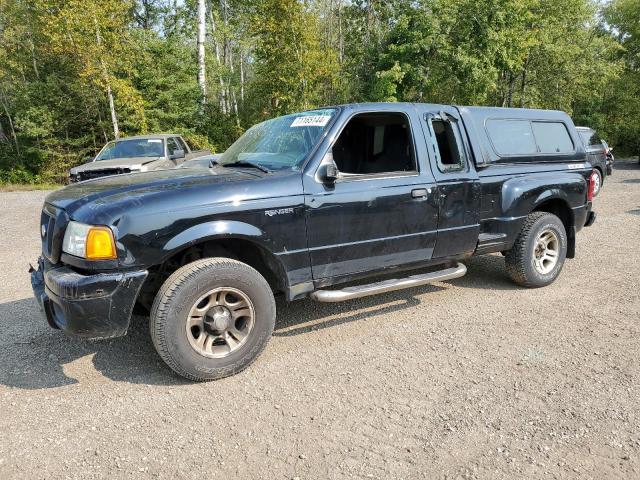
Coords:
90,306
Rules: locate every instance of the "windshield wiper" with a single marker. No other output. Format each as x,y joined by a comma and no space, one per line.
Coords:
246,163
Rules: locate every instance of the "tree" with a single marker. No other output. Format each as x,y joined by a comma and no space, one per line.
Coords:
623,102
202,15
75,74
291,68
100,43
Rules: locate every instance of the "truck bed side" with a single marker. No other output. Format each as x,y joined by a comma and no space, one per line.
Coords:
512,186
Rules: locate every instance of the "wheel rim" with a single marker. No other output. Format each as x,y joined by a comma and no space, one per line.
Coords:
596,184
220,322
546,251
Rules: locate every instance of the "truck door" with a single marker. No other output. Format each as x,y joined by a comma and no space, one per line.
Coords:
381,211
458,186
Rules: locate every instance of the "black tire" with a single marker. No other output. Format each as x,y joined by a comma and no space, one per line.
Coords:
521,258
600,183
182,290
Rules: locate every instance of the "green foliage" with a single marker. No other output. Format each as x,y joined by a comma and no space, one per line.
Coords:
384,87
62,60
622,102
291,68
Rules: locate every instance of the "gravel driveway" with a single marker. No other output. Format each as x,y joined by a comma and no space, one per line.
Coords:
472,378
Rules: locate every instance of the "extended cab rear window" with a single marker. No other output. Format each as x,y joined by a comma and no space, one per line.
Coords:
516,137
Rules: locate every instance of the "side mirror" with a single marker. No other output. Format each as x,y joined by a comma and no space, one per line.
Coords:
177,154
331,173
328,173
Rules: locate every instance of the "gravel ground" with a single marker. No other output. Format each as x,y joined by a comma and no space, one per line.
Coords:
472,378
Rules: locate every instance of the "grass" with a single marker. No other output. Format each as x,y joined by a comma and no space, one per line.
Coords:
26,187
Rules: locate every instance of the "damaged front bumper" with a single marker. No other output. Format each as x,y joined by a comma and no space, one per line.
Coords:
90,306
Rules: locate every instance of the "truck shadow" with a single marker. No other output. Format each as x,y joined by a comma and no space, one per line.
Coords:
33,356
486,272
297,318
305,316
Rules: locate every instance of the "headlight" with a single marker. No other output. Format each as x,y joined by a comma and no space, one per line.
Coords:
88,241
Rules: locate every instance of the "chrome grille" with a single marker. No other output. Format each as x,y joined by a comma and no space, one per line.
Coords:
47,224
91,174
53,221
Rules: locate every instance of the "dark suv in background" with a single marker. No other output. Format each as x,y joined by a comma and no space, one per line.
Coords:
598,154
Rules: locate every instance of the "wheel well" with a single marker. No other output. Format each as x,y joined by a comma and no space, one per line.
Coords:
238,249
561,209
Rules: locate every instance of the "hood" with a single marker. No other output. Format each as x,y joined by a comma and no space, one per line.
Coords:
137,188
133,163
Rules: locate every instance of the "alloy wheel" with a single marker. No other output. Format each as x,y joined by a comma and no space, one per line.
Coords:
546,251
220,322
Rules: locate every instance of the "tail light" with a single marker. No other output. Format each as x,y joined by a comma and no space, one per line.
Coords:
592,186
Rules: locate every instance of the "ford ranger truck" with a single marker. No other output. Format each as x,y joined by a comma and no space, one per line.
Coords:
302,205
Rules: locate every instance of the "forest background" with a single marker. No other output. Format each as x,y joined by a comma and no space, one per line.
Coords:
77,73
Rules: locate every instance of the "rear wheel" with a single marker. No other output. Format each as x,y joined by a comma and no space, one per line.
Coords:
538,254
212,318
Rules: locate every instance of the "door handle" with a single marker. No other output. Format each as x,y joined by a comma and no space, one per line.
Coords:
419,193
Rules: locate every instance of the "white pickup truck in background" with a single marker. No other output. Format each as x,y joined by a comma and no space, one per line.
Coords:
136,154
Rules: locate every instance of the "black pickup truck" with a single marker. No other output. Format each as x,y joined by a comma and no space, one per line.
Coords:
302,205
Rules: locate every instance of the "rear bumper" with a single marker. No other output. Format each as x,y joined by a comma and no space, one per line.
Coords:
583,216
591,218
90,306
590,215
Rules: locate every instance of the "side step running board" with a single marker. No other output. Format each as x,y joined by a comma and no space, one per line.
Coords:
349,293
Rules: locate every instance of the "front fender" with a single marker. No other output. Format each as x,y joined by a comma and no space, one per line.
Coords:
235,230
218,229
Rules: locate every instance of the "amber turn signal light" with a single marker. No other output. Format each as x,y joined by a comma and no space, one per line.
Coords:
100,244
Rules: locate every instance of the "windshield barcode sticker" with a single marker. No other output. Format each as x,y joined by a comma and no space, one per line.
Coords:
311,121
154,140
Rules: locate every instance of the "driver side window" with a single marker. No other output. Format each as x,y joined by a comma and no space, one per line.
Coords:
375,143
172,145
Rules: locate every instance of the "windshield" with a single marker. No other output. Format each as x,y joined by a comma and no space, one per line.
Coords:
280,143
139,147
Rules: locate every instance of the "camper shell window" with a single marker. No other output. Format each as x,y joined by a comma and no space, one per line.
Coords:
520,137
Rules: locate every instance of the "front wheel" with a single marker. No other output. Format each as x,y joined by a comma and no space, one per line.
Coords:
538,254
212,318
